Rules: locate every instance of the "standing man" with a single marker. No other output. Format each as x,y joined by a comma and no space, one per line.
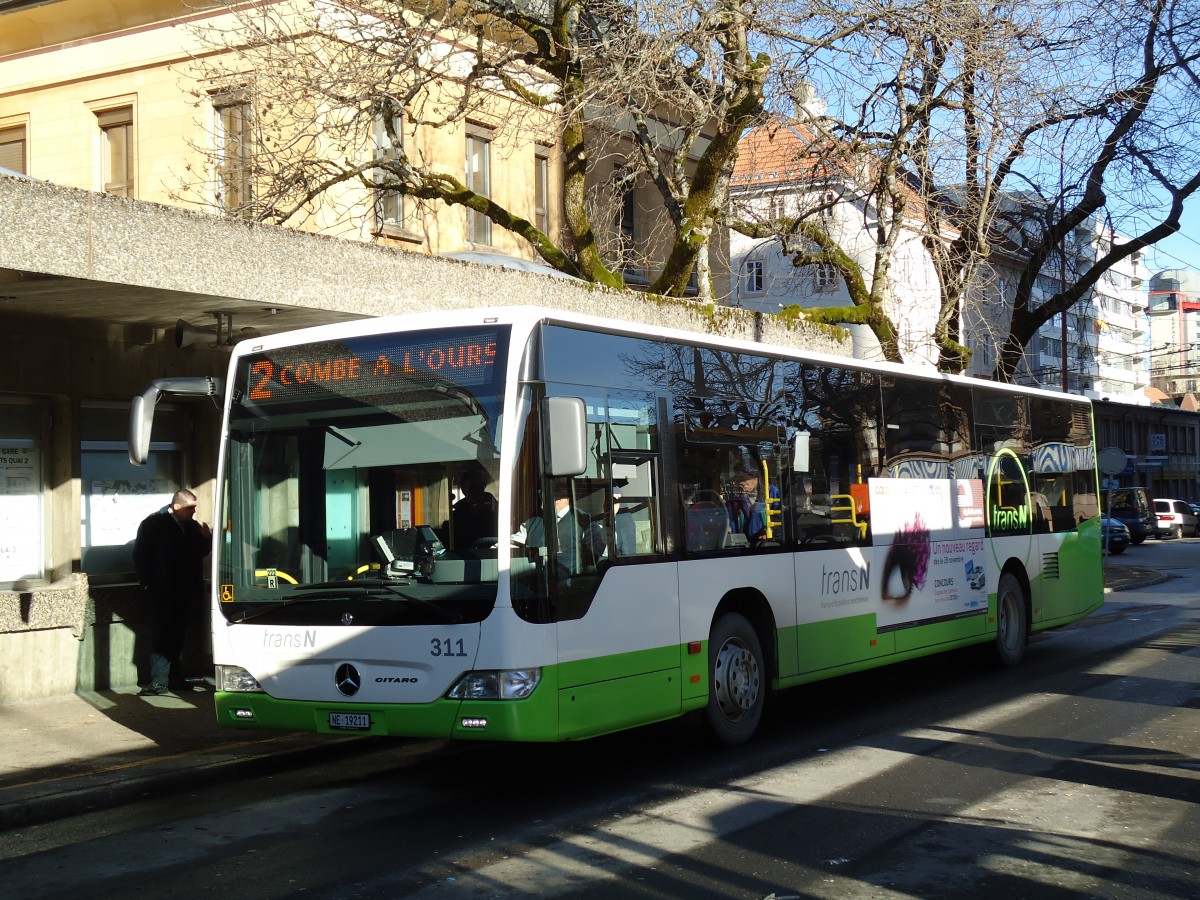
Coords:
169,557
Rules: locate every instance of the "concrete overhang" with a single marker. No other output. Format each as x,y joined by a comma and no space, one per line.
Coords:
67,253
71,254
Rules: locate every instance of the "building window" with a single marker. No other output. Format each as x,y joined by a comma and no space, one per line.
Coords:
234,155
752,276
625,189
390,206
981,351
12,149
116,150
541,192
776,208
824,277
479,180
825,209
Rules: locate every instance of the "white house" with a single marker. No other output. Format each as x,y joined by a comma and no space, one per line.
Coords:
778,177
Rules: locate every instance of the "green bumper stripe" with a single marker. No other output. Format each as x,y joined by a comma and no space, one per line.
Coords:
532,719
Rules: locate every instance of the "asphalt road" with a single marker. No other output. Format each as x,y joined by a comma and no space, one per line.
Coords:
1075,774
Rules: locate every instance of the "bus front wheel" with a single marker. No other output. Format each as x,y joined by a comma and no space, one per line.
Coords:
736,680
1012,623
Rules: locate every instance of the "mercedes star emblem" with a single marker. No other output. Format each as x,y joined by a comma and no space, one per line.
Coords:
347,679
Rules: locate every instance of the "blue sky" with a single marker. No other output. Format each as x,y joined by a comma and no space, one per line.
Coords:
1182,249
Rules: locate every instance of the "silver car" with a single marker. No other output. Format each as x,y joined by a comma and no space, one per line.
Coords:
1175,519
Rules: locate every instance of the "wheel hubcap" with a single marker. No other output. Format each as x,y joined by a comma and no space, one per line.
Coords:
736,679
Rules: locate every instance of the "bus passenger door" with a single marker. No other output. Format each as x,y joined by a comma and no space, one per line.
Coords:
617,608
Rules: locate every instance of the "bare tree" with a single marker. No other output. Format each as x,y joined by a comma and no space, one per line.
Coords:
661,91
953,108
1143,138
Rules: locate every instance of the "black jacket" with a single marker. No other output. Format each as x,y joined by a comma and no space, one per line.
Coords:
167,557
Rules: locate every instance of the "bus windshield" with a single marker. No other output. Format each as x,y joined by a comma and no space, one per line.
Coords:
359,480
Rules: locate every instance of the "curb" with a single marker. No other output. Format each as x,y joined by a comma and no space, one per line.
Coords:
1131,579
56,798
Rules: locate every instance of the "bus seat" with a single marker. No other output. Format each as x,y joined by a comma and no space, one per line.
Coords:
707,526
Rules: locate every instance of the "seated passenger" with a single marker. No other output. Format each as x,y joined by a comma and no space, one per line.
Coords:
747,507
575,550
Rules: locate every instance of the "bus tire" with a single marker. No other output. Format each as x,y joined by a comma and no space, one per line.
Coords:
737,687
1012,621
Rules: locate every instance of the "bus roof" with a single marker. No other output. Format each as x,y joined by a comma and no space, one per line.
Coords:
525,317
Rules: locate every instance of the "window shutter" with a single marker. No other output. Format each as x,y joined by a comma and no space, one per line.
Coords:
12,149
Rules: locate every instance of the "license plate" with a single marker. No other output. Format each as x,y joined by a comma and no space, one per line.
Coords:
350,721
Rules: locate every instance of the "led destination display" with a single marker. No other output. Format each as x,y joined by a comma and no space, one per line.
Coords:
373,364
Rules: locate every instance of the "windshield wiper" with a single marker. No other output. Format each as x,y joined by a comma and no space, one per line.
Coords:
339,590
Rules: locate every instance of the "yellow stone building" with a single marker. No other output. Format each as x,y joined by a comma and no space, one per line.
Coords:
114,98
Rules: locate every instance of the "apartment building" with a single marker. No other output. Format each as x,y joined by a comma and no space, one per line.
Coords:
123,100
1174,312
1105,337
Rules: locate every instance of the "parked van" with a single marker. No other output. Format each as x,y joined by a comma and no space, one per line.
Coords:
1132,506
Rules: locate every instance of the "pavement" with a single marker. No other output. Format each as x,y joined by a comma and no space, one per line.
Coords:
69,755
92,751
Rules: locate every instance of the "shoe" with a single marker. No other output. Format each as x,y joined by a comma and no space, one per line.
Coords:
153,690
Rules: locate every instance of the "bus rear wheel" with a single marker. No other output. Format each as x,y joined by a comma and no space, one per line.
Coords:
736,686
1012,623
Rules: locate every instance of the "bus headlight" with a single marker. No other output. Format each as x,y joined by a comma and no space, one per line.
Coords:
492,684
236,680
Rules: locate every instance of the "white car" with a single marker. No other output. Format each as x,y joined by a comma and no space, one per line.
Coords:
1175,519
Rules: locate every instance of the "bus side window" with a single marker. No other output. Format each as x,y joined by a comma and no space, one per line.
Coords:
1053,493
631,512
1087,504
705,519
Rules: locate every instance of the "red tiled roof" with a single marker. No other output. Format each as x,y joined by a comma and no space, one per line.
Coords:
781,152
776,152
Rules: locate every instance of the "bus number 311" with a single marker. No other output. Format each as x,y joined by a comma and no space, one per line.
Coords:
447,647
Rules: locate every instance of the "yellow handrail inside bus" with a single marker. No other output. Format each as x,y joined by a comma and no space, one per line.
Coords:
772,506
845,505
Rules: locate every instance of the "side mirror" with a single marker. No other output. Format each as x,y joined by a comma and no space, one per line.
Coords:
565,420
141,423
141,408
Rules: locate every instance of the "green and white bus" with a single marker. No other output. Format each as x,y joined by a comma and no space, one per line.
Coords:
730,519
